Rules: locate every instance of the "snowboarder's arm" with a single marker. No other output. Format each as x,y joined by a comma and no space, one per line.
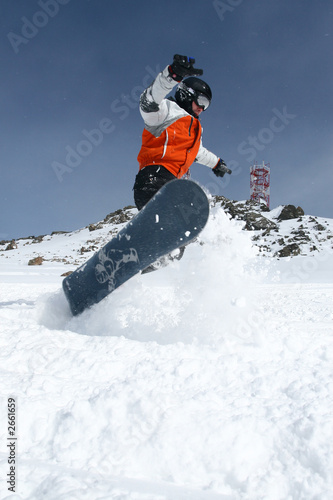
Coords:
212,161
206,157
152,107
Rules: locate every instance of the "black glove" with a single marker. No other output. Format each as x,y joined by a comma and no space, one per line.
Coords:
221,169
182,67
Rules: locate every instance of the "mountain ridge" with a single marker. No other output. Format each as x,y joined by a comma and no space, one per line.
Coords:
282,232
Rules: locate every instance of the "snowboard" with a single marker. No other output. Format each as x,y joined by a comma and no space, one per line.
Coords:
171,219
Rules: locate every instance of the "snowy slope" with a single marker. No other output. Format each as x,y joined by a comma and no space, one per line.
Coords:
209,379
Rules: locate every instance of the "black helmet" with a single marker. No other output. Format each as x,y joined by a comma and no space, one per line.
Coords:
193,89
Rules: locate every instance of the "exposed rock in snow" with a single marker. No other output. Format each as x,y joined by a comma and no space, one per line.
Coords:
281,232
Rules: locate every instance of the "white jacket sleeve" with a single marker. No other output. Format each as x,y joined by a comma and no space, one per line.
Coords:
153,108
206,157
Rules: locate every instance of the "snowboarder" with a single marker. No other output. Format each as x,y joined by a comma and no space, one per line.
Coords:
171,140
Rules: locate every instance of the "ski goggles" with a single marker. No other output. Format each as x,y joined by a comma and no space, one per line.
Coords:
202,101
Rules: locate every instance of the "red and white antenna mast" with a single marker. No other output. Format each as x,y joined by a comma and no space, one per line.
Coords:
260,182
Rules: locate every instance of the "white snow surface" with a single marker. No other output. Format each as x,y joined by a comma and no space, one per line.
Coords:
209,379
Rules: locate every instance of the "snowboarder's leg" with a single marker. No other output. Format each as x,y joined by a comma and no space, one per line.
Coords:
148,181
164,261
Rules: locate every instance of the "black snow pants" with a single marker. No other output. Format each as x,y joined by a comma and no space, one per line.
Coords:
148,181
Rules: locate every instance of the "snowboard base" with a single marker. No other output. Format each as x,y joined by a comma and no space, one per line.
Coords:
170,220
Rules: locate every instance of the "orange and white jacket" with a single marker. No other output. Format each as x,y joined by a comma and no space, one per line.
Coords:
171,137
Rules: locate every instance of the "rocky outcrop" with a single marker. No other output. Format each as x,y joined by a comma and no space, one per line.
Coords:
11,245
120,216
283,232
36,261
290,212
289,250
269,232
257,222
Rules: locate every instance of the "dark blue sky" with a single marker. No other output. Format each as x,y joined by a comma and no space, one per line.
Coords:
72,72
